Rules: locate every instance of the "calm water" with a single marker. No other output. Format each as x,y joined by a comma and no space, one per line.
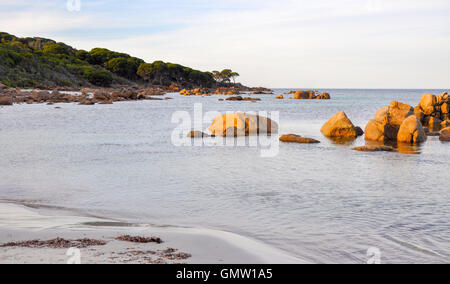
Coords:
324,203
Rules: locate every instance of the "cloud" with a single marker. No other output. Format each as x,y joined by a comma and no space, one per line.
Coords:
284,43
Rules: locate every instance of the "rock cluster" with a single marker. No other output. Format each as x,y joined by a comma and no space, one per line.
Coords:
433,111
310,95
239,98
395,122
85,97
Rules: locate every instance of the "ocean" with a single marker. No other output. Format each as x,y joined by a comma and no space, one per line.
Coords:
324,202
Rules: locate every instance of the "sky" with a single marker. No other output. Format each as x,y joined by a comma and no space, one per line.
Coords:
282,43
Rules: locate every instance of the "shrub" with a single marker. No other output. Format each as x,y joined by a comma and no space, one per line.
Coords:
100,78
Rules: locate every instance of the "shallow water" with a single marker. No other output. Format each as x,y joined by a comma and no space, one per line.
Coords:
323,203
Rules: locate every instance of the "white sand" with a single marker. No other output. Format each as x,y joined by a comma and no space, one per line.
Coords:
19,223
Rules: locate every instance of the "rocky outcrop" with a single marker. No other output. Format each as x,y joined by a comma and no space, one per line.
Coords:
386,124
292,138
411,131
339,126
380,148
242,124
445,134
6,100
433,111
310,95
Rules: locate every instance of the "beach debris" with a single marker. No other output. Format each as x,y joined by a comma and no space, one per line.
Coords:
340,126
56,243
173,254
142,240
242,124
293,138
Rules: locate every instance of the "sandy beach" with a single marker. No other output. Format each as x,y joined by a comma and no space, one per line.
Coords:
180,245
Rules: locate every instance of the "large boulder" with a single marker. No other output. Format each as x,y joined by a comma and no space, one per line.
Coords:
445,134
339,126
242,124
427,103
292,138
445,108
411,131
387,122
398,112
304,95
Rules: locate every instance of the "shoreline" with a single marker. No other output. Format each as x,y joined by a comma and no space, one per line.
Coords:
203,246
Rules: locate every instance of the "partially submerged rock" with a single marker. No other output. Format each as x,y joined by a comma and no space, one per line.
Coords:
411,131
242,124
445,134
197,134
339,126
292,138
374,149
324,96
236,98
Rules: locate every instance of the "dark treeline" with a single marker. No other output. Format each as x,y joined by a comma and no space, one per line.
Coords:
38,62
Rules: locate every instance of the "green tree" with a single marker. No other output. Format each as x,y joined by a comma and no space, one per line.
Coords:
234,75
82,55
56,48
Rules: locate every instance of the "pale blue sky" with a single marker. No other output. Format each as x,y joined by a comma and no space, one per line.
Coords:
284,43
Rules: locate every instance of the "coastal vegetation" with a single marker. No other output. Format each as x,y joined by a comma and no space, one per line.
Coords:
39,62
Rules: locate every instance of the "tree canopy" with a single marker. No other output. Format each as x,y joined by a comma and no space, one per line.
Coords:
225,76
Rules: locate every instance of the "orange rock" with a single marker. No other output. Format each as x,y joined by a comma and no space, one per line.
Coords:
339,126
411,131
380,148
292,138
244,124
427,103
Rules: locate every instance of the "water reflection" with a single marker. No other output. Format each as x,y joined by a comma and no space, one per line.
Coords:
403,148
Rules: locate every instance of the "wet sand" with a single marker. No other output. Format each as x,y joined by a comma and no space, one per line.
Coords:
180,245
